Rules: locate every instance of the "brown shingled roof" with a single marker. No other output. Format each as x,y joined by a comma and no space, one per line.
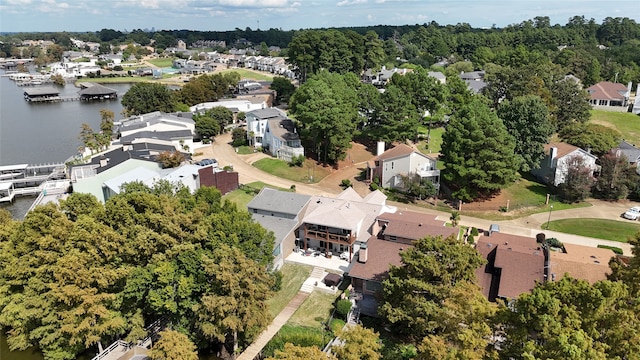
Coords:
563,148
606,90
414,225
381,254
398,150
520,259
581,262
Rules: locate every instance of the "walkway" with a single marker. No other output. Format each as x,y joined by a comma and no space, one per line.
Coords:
256,347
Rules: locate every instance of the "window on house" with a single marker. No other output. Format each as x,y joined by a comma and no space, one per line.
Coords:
392,165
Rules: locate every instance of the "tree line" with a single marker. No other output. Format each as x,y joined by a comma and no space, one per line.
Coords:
86,273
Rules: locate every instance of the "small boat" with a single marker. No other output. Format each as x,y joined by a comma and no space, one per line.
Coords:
10,175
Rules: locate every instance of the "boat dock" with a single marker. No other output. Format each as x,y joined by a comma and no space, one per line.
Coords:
30,180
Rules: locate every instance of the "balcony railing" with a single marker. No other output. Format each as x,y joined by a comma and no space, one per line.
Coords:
428,173
327,236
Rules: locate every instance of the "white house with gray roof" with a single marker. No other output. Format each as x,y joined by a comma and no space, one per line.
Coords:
340,225
177,129
279,212
271,129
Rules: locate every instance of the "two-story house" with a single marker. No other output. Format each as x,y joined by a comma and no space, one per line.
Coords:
558,158
271,129
388,168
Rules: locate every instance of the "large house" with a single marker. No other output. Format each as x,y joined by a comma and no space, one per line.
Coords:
607,95
280,212
388,168
177,129
273,131
341,224
630,151
559,156
392,233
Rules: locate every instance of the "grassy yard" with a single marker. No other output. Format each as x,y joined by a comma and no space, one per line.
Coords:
314,311
596,228
242,197
627,123
293,276
248,74
245,150
161,62
281,168
435,144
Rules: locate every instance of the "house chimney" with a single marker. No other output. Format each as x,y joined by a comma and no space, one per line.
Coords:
103,161
363,254
553,153
380,148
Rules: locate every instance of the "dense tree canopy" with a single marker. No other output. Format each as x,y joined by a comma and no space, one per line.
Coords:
326,110
527,120
73,276
598,139
478,152
144,98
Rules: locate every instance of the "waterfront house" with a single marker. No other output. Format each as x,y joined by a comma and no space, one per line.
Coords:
178,129
280,212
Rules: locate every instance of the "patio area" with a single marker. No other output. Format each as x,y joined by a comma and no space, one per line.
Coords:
333,264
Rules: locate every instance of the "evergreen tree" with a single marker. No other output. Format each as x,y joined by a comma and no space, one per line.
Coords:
478,152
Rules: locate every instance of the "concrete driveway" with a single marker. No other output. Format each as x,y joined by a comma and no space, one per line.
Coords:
525,226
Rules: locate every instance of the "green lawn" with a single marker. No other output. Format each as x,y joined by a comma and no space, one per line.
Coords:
310,172
314,311
245,150
293,276
248,74
241,197
435,144
627,123
161,62
116,80
596,228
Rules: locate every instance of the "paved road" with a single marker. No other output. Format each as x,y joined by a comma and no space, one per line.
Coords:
526,226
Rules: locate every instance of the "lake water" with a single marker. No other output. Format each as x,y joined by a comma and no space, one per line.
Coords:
38,133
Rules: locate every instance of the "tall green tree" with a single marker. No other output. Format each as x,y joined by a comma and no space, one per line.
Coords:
598,139
430,273
570,103
478,152
142,98
283,88
173,345
326,109
358,343
571,319
397,119
527,120
234,308
577,182
616,179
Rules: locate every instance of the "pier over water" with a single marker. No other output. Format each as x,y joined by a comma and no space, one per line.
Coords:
29,180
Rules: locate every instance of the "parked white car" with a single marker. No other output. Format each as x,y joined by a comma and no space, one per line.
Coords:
632,214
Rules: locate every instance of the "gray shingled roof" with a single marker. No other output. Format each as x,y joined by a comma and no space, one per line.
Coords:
280,226
266,113
41,90
279,201
97,89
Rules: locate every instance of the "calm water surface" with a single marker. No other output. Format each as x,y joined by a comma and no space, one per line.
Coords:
45,133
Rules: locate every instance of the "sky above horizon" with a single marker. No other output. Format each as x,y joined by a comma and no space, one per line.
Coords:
223,15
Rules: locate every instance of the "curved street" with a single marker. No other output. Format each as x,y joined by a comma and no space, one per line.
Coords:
529,226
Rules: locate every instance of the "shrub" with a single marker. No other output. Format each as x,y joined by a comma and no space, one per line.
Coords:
292,188
297,160
503,209
345,183
343,306
474,231
277,280
373,186
616,250
553,242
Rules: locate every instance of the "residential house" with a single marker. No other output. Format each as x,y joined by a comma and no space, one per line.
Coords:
609,96
341,224
474,80
381,78
282,140
388,168
515,264
558,157
258,122
280,212
235,105
393,233
630,151
438,76
177,129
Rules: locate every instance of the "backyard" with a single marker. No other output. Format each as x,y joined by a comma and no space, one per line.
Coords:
242,196
627,124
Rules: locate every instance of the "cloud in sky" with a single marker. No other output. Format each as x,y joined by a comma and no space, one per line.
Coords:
220,15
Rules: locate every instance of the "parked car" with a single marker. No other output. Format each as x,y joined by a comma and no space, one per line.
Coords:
632,214
207,162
